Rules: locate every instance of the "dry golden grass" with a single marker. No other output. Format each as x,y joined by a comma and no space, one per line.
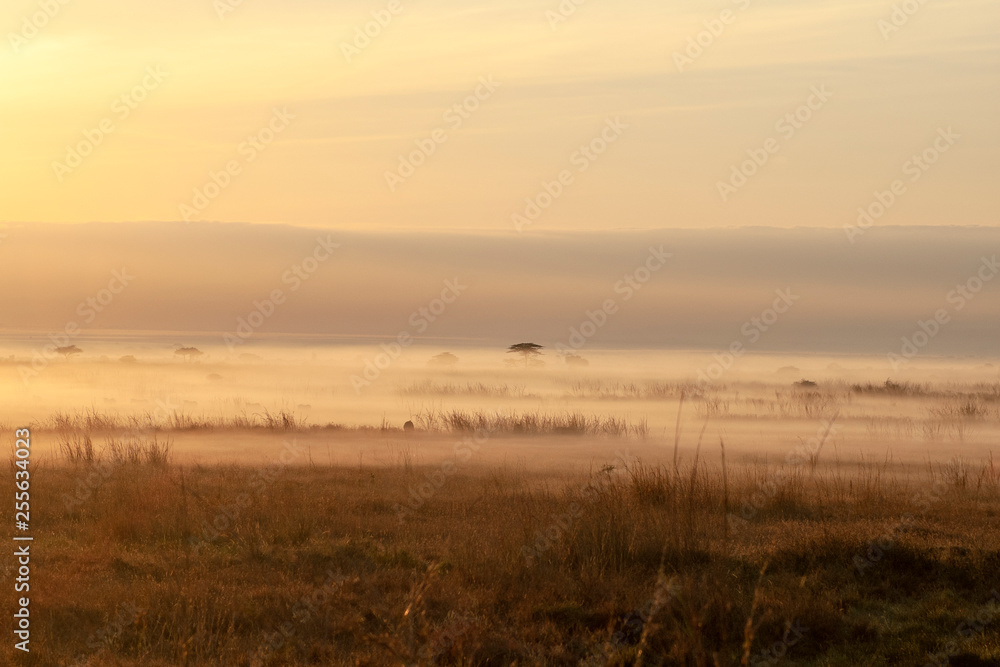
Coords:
532,423
139,561
436,420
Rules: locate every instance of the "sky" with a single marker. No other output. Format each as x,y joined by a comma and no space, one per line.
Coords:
632,114
541,150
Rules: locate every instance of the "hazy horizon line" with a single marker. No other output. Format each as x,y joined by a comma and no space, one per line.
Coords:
361,227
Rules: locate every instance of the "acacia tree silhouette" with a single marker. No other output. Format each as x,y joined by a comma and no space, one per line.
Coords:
527,350
188,353
69,351
443,359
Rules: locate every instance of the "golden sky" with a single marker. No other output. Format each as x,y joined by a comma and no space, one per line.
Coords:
182,85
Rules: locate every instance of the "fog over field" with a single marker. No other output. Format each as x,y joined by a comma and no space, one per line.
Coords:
734,318
758,402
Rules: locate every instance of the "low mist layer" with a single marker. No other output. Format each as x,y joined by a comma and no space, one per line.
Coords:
903,291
